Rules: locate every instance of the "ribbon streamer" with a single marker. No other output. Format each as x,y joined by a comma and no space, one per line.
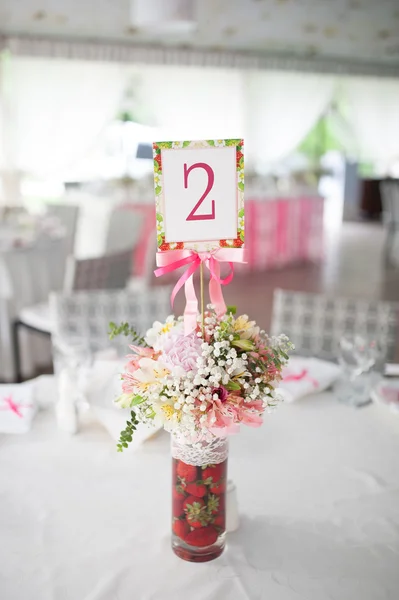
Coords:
304,374
13,406
174,259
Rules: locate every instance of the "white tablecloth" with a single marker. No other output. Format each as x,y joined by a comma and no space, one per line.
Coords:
318,490
27,275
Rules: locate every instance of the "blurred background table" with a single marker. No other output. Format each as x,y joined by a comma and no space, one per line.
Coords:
318,498
284,230
279,231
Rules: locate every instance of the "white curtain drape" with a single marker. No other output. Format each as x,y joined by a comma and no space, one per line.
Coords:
374,115
281,108
54,111
191,102
57,109
9,178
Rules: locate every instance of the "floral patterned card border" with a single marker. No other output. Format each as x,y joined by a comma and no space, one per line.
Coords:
164,246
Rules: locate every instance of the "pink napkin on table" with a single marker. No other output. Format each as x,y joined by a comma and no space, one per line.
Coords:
304,376
17,408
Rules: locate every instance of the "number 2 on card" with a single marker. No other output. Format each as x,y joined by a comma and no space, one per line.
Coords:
211,178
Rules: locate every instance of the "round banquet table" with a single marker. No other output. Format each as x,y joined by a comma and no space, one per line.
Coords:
318,491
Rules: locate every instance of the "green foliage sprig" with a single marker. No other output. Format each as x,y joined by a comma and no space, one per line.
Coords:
127,330
127,434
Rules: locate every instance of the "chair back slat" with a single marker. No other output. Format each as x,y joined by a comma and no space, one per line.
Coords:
109,272
316,323
68,215
87,314
124,229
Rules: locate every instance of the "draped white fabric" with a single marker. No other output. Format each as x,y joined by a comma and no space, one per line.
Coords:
191,102
57,110
374,114
9,177
281,108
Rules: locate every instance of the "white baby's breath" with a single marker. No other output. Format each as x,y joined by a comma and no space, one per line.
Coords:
197,386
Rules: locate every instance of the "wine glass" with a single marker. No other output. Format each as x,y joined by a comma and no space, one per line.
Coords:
357,355
72,361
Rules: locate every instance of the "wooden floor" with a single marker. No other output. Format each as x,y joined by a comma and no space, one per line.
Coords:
353,267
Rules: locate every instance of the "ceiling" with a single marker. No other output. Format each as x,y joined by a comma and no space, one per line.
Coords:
360,30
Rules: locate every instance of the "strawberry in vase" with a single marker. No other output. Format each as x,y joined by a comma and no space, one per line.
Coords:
198,507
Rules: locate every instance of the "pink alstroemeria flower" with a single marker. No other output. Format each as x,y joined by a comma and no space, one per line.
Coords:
128,377
221,419
224,418
250,413
142,353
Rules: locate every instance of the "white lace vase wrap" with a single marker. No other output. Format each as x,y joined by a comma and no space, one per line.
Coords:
202,452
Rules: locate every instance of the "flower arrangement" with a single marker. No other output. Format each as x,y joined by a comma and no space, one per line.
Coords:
205,384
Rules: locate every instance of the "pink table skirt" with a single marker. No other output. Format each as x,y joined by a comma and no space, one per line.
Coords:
282,231
278,232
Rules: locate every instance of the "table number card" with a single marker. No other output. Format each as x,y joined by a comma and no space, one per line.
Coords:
199,190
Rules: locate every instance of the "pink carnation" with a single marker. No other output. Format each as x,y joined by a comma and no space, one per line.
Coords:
179,350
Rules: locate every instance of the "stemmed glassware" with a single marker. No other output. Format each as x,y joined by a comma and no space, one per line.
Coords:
72,361
358,355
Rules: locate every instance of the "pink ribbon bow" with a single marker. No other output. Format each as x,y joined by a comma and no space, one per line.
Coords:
174,259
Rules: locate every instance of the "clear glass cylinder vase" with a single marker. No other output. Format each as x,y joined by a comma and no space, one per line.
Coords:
199,480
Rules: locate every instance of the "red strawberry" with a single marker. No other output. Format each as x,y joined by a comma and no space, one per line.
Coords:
212,473
196,514
237,243
213,505
202,537
197,521
158,159
181,529
239,155
195,489
223,244
178,493
220,521
178,507
179,245
164,246
219,488
193,500
186,472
